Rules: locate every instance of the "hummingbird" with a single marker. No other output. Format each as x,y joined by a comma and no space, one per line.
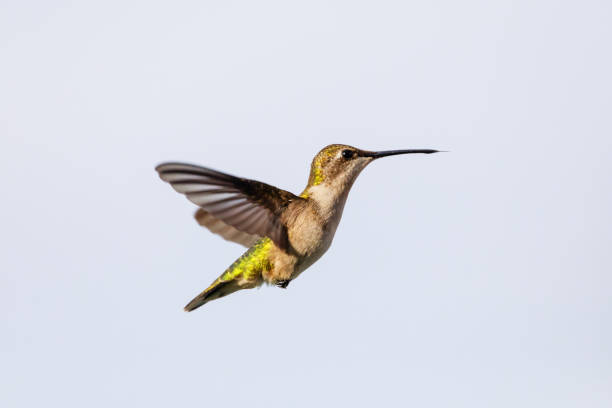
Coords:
284,233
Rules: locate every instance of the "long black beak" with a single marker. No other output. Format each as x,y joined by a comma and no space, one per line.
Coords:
386,153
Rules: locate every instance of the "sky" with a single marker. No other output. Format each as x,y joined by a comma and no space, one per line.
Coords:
475,278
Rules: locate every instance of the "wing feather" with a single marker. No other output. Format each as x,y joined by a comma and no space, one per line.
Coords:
226,231
238,209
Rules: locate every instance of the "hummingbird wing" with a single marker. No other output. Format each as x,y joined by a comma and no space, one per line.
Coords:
226,231
249,206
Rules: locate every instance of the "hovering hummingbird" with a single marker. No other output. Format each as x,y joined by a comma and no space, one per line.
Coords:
285,233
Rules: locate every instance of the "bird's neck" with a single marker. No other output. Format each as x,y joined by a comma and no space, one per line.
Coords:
328,197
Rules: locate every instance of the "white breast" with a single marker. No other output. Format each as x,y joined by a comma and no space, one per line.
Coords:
317,226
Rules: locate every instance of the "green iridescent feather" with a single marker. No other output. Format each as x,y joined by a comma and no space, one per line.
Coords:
250,266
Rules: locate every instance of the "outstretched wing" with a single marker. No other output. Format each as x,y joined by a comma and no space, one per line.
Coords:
248,206
226,231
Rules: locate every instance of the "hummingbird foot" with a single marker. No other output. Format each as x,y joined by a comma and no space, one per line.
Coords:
283,283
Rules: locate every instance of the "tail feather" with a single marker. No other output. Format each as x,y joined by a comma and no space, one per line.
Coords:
217,290
244,273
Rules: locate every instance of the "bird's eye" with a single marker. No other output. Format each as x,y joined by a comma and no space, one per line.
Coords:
347,154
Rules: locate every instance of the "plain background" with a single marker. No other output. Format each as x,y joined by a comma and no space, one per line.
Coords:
475,278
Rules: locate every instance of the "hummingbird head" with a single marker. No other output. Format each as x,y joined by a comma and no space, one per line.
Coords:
339,165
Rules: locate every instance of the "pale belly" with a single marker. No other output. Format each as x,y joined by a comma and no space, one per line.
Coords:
310,236
312,243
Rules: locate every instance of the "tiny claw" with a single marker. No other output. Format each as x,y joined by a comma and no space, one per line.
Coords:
283,283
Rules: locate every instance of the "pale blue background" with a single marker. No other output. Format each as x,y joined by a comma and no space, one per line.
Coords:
476,278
